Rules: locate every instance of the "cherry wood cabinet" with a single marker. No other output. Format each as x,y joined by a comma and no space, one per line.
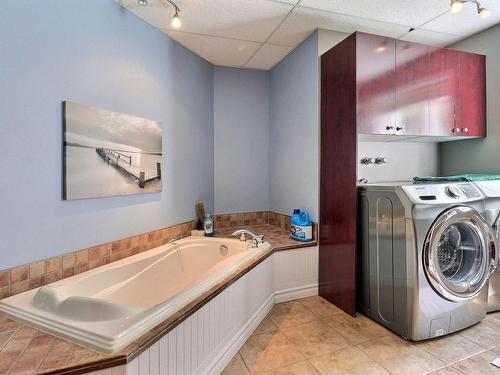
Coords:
472,95
444,97
375,81
377,85
411,90
407,88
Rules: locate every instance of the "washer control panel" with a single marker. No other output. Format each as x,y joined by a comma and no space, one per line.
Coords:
443,193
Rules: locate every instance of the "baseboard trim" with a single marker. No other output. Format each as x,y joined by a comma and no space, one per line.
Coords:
219,363
295,293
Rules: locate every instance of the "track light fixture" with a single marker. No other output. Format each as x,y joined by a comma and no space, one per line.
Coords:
457,5
176,19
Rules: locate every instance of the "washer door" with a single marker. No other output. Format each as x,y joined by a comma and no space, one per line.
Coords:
459,254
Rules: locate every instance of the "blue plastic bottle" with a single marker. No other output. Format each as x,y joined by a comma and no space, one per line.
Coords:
301,226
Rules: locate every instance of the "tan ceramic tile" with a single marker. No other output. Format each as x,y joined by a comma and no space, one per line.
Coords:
82,355
451,348
266,326
68,261
25,332
4,337
321,307
68,272
82,257
299,368
100,251
99,262
486,333
5,292
478,364
347,361
315,338
446,371
269,351
11,352
19,274
8,325
58,355
236,366
17,288
357,330
401,357
82,267
37,282
37,269
290,314
53,276
4,278
54,264
31,358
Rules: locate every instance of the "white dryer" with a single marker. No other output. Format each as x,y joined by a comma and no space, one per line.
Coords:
491,190
426,254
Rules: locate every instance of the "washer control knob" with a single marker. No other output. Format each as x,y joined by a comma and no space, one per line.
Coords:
452,192
380,160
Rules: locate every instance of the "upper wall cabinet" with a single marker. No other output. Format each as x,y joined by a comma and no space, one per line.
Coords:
410,89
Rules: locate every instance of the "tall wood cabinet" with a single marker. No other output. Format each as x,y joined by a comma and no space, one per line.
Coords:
377,85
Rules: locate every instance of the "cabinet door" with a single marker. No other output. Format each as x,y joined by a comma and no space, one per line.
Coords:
412,91
375,79
472,109
443,83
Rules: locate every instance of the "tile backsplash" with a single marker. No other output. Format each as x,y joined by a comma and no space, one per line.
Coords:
29,276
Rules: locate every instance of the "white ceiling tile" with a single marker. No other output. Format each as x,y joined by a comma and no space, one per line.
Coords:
218,51
430,38
251,20
466,22
401,12
303,21
268,56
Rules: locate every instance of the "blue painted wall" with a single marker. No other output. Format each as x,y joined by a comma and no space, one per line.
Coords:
294,130
94,53
241,144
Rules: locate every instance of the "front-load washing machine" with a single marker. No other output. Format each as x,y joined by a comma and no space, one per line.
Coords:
425,257
491,191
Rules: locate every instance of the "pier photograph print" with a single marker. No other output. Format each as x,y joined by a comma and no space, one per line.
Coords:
108,153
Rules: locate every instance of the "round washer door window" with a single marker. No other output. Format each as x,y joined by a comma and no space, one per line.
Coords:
459,254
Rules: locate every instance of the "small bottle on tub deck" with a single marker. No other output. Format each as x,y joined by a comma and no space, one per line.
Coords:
208,226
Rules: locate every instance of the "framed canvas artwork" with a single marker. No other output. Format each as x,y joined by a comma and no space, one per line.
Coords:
108,153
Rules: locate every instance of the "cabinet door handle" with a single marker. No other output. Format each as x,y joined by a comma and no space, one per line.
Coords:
389,127
465,130
398,128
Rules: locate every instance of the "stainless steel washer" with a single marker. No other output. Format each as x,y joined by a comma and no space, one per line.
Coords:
426,255
491,191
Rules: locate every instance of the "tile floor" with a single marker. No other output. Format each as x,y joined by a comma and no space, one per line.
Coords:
312,337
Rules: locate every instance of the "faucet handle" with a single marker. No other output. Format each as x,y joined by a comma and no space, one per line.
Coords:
243,238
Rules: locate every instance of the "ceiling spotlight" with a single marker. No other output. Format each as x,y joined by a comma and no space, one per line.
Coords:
483,12
142,3
456,6
176,20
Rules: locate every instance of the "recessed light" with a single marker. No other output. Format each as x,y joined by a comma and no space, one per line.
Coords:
456,6
484,13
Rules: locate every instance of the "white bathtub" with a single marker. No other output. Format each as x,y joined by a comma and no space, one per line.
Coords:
110,306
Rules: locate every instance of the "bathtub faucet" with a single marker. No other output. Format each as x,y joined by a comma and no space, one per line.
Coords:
257,239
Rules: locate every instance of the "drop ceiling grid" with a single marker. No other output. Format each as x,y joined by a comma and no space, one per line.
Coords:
258,34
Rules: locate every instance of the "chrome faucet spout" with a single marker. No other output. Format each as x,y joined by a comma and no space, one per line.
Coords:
243,231
257,239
